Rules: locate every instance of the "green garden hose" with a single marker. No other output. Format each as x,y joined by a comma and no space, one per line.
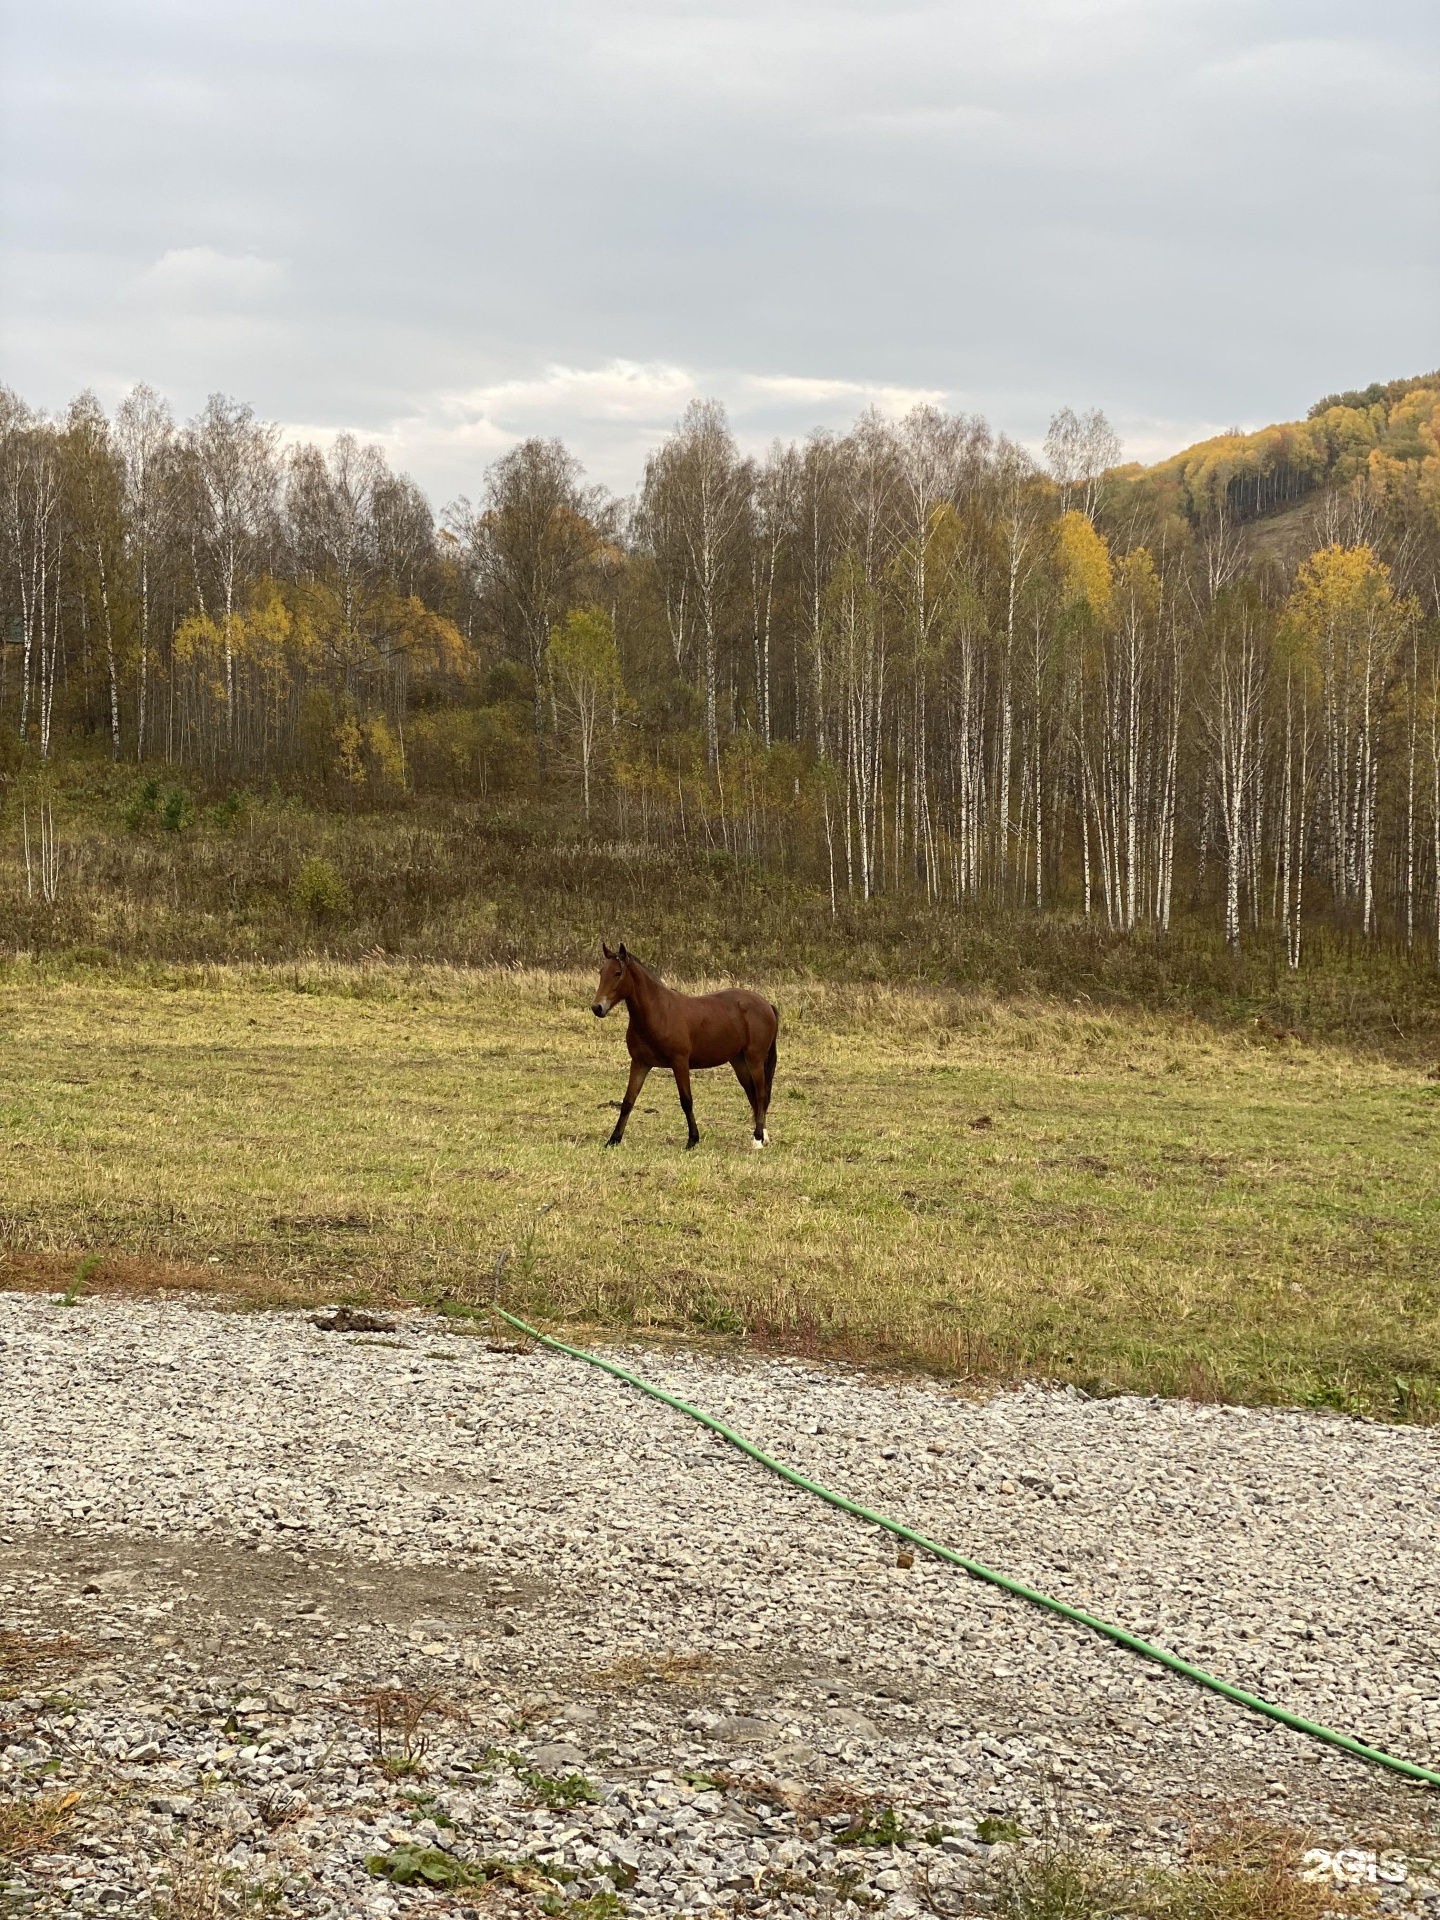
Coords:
1118,1634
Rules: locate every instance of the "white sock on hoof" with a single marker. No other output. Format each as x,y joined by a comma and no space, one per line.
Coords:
757,1144
765,1138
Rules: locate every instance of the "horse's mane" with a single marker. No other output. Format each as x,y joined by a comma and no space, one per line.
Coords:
640,967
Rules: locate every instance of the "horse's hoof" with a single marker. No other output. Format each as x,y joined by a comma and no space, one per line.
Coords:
759,1145
765,1138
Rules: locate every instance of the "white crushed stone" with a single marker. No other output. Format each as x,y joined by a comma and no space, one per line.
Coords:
1291,1553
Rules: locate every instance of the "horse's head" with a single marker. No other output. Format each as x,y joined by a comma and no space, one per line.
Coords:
613,971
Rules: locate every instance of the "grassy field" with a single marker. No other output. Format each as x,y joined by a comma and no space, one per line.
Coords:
982,1188
516,885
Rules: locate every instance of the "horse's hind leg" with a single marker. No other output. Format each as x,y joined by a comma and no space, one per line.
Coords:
747,1080
687,1104
764,1088
638,1075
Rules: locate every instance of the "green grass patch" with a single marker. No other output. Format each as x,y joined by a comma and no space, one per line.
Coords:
416,1866
874,1827
985,1188
565,1790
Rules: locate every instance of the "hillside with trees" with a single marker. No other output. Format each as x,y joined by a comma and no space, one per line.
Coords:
908,664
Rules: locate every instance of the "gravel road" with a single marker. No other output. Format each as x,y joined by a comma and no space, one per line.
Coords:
253,1528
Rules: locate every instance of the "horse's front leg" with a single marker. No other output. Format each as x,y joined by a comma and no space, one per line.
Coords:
682,1081
638,1073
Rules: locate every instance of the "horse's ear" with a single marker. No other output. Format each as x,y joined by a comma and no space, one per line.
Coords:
623,954
606,951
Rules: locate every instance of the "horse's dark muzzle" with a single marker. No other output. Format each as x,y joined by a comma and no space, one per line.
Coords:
599,1011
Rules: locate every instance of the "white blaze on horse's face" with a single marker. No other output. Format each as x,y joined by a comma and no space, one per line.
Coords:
612,975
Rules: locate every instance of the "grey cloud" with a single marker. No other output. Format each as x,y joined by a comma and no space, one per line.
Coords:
448,224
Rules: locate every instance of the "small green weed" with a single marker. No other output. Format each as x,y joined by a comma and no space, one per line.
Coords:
82,1275
1336,1395
991,1832
875,1827
711,1314
1416,1401
848,1886
425,1867
600,1906
573,1790
408,1866
427,1805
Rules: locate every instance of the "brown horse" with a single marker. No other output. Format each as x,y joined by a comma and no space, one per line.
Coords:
678,1031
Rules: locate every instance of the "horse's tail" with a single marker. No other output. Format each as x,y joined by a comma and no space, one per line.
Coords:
773,1054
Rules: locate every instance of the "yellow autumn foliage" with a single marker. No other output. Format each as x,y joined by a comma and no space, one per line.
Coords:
1342,614
1086,570
386,751
1385,436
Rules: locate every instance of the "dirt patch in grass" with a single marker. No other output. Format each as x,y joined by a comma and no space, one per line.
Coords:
134,1276
115,1273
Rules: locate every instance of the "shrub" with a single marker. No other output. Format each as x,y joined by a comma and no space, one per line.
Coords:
143,807
227,813
320,892
177,812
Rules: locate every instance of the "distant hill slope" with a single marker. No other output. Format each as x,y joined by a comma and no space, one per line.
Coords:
1389,431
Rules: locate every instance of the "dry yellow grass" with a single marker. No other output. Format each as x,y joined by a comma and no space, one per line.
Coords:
30,1660
34,1825
980,1187
1244,1869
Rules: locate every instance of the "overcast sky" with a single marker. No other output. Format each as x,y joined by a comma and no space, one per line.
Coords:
450,223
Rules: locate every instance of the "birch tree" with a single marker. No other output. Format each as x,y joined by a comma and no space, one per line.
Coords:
1235,722
32,503
694,505
95,484
585,668
234,460
1345,608
1079,448
145,435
